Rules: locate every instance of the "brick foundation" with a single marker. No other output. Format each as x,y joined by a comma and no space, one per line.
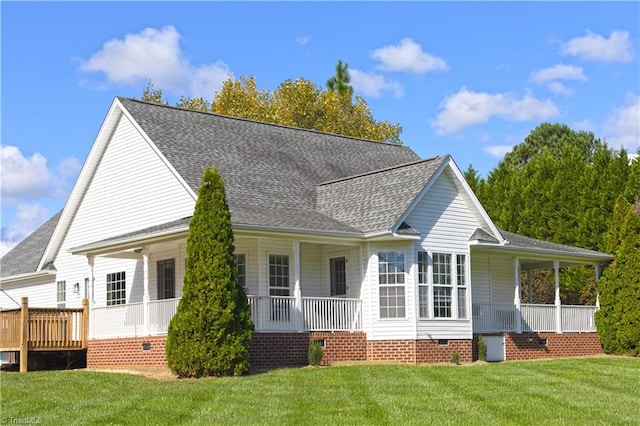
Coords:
267,350
418,351
528,345
339,347
125,353
290,349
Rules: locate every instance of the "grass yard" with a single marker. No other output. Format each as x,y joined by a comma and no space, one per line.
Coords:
585,391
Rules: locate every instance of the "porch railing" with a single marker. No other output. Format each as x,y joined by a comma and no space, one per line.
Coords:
496,318
269,313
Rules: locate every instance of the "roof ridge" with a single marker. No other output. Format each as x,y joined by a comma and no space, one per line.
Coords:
386,169
249,120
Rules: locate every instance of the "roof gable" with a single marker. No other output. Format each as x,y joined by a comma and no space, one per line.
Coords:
373,202
271,172
463,189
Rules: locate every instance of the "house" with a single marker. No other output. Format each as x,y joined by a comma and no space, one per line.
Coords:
377,253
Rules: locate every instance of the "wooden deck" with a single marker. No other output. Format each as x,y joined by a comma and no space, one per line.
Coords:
43,329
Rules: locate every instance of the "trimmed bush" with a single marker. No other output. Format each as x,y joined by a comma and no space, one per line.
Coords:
210,334
455,358
315,352
482,349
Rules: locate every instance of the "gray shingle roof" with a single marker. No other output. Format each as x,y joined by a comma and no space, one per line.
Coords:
519,241
270,172
375,201
25,257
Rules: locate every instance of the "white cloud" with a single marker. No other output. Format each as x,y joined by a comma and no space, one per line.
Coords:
497,151
553,75
622,129
559,88
29,178
371,84
23,177
408,56
28,218
558,72
595,47
466,109
585,125
155,54
302,40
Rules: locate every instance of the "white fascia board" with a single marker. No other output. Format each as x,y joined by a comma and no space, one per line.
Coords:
82,183
534,253
102,248
27,276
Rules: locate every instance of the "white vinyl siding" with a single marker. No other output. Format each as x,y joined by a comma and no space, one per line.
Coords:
40,292
131,189
446,219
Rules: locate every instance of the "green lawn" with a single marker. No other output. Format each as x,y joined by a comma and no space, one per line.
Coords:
603,390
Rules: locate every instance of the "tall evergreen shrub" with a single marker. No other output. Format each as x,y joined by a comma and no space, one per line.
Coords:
210,334
618,320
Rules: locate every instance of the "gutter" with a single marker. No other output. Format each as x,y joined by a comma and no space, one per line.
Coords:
26,276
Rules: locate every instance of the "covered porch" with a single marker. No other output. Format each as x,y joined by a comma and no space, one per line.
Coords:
499,303
292,285
268,313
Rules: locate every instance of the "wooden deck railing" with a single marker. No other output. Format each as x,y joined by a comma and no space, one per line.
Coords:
43,329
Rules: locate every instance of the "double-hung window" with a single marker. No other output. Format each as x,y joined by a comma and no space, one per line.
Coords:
442,288
391,281
461,281
166,279
279,286
116,288
241,262
61,293
423,283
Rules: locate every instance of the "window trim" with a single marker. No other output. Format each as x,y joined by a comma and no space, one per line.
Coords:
161,286
245,275
120,300
394,285
269,286
455,308
61,290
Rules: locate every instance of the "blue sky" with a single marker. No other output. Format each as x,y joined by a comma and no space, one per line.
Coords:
467,79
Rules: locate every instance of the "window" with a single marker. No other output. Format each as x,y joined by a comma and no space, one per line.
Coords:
61,293
116,288
278,275
391,284
423,283
279,286
461,265
442,285
241,262
338,271
166,279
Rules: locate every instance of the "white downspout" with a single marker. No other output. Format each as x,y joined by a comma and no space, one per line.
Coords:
145,286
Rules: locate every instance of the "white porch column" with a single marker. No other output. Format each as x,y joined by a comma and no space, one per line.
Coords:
558,303
145,286
516,294
297,293
598,272
91,296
